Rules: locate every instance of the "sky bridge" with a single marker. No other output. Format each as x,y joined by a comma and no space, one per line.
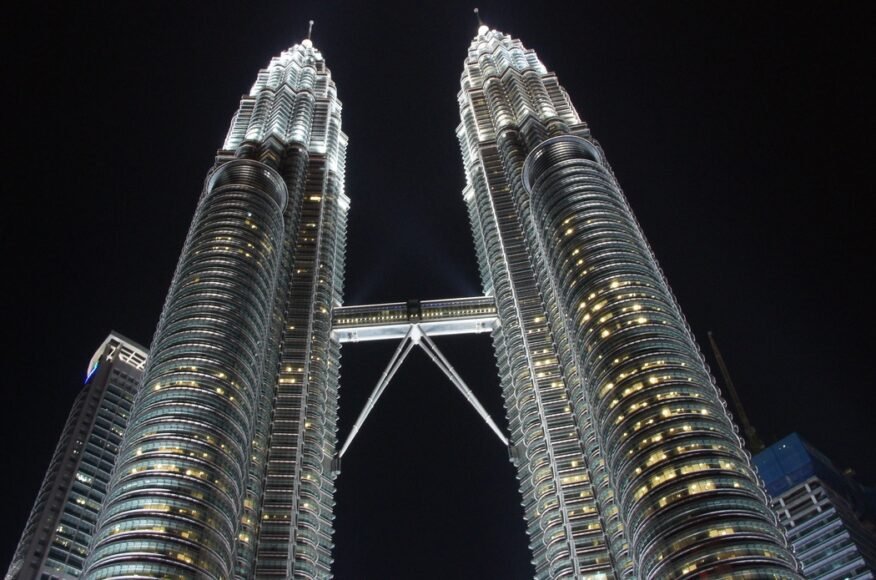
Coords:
433,317
414,323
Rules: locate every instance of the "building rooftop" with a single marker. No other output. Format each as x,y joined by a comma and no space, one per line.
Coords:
792,460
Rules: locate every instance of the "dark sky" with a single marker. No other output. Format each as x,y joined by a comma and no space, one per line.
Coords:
741,133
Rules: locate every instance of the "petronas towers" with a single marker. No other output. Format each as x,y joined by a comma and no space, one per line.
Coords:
628,463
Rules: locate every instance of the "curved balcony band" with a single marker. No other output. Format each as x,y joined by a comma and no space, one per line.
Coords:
177,490
689,499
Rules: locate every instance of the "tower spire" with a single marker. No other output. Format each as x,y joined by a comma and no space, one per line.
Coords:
482,28
747,428
307,42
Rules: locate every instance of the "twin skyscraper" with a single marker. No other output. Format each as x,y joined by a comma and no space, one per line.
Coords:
628,463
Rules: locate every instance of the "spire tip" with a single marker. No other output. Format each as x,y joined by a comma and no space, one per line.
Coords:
482,28
307,42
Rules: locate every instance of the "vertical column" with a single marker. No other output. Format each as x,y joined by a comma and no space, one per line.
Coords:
174,503
293,168
296,508
566,531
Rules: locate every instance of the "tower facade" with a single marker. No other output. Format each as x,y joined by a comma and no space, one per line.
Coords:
629,464
61,524
225,469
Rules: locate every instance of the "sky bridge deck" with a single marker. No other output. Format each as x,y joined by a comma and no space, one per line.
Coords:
434,317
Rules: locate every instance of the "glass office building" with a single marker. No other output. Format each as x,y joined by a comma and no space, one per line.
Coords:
828,516
60,527
629,464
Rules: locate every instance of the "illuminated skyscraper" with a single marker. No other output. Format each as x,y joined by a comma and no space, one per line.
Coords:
60,527
628,462
235,423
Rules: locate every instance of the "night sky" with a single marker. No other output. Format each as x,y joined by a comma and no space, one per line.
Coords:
741,132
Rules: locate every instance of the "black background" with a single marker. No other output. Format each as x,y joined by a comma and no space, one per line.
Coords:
741,133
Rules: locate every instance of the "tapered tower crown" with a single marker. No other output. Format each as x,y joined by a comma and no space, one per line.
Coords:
293,101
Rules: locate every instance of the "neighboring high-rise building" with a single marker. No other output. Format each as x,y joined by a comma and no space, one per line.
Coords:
822,510
629,464
225,469
61,524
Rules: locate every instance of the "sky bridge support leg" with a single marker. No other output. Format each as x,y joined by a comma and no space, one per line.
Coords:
432,350
395,362
416,336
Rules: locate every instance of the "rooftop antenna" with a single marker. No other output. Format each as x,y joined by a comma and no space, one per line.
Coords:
307,43
753,440
482,28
